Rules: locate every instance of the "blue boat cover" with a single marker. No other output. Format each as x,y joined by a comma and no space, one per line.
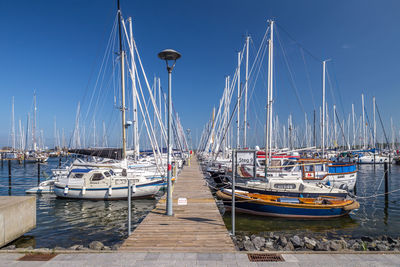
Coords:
81,170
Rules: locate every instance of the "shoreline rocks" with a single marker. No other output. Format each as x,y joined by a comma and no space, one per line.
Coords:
93,246
286,242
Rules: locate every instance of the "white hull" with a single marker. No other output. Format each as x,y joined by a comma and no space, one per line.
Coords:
117,192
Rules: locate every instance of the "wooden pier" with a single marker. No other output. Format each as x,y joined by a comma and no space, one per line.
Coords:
195,227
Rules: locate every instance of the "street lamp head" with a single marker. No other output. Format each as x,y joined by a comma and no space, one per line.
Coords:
169,54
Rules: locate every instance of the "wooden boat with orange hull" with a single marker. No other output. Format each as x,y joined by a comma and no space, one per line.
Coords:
288,207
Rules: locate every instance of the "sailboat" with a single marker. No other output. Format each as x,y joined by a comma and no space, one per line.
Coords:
107,179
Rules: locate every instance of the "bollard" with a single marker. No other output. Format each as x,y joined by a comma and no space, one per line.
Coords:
385,165
9,168
129,206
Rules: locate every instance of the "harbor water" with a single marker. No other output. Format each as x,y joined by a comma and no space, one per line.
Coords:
375,217
66,222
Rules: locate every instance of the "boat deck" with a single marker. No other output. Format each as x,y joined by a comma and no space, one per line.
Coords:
195,227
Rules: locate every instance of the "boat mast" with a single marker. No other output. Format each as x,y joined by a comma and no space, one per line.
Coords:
245,93
373,108
122,58
34,121
135,134
238,103
354,126
12,125
268,136
323,107
335,141
363,120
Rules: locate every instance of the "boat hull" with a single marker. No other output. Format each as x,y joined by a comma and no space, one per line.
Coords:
148,190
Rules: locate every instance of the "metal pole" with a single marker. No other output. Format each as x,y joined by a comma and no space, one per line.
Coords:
169,187
233,189
385,165
323,108
9,168
38,172
129,206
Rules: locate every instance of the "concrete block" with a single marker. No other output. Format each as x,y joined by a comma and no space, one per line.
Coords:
17,216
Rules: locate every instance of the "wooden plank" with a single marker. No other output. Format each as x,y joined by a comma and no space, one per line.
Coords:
195,227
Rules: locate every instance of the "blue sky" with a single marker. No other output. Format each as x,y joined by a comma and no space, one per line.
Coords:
54,47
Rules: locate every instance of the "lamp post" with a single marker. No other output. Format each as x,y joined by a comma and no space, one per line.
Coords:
169,55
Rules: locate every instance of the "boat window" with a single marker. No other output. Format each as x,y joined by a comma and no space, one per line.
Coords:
319,168
261,162
285,186
112,172
308,168
97,177
77,175
107,174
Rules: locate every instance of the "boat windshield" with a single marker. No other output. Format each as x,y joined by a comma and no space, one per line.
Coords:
288,165
76,175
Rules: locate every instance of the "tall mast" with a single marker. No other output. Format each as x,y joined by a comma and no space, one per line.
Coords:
373,108
363,120
268,137
12,125
238,104
122,57
323,107
135,135
245,93
354,126
335,141
34,122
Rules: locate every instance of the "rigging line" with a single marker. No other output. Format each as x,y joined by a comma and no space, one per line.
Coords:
341,128
104,61
380,119
291,74
308,76
298,44
337,85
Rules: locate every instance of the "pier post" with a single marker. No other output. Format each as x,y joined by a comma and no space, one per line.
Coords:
129,206
9,168
385,165
38,172
59,162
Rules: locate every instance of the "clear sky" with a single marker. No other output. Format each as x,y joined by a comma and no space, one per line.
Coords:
54,47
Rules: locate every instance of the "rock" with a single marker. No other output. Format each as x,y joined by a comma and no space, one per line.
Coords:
246,238
309,243
371,246
296,241
106,248
391,240
342,243
382,247
367,239
74,247
269,245
334,246
59,248
96,245
282,241
322,246
240,245
29,248
9,247
116,247
248,245
258,242
252,237
289,246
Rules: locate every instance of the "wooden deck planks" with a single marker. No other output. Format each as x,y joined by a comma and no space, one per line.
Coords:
196,227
